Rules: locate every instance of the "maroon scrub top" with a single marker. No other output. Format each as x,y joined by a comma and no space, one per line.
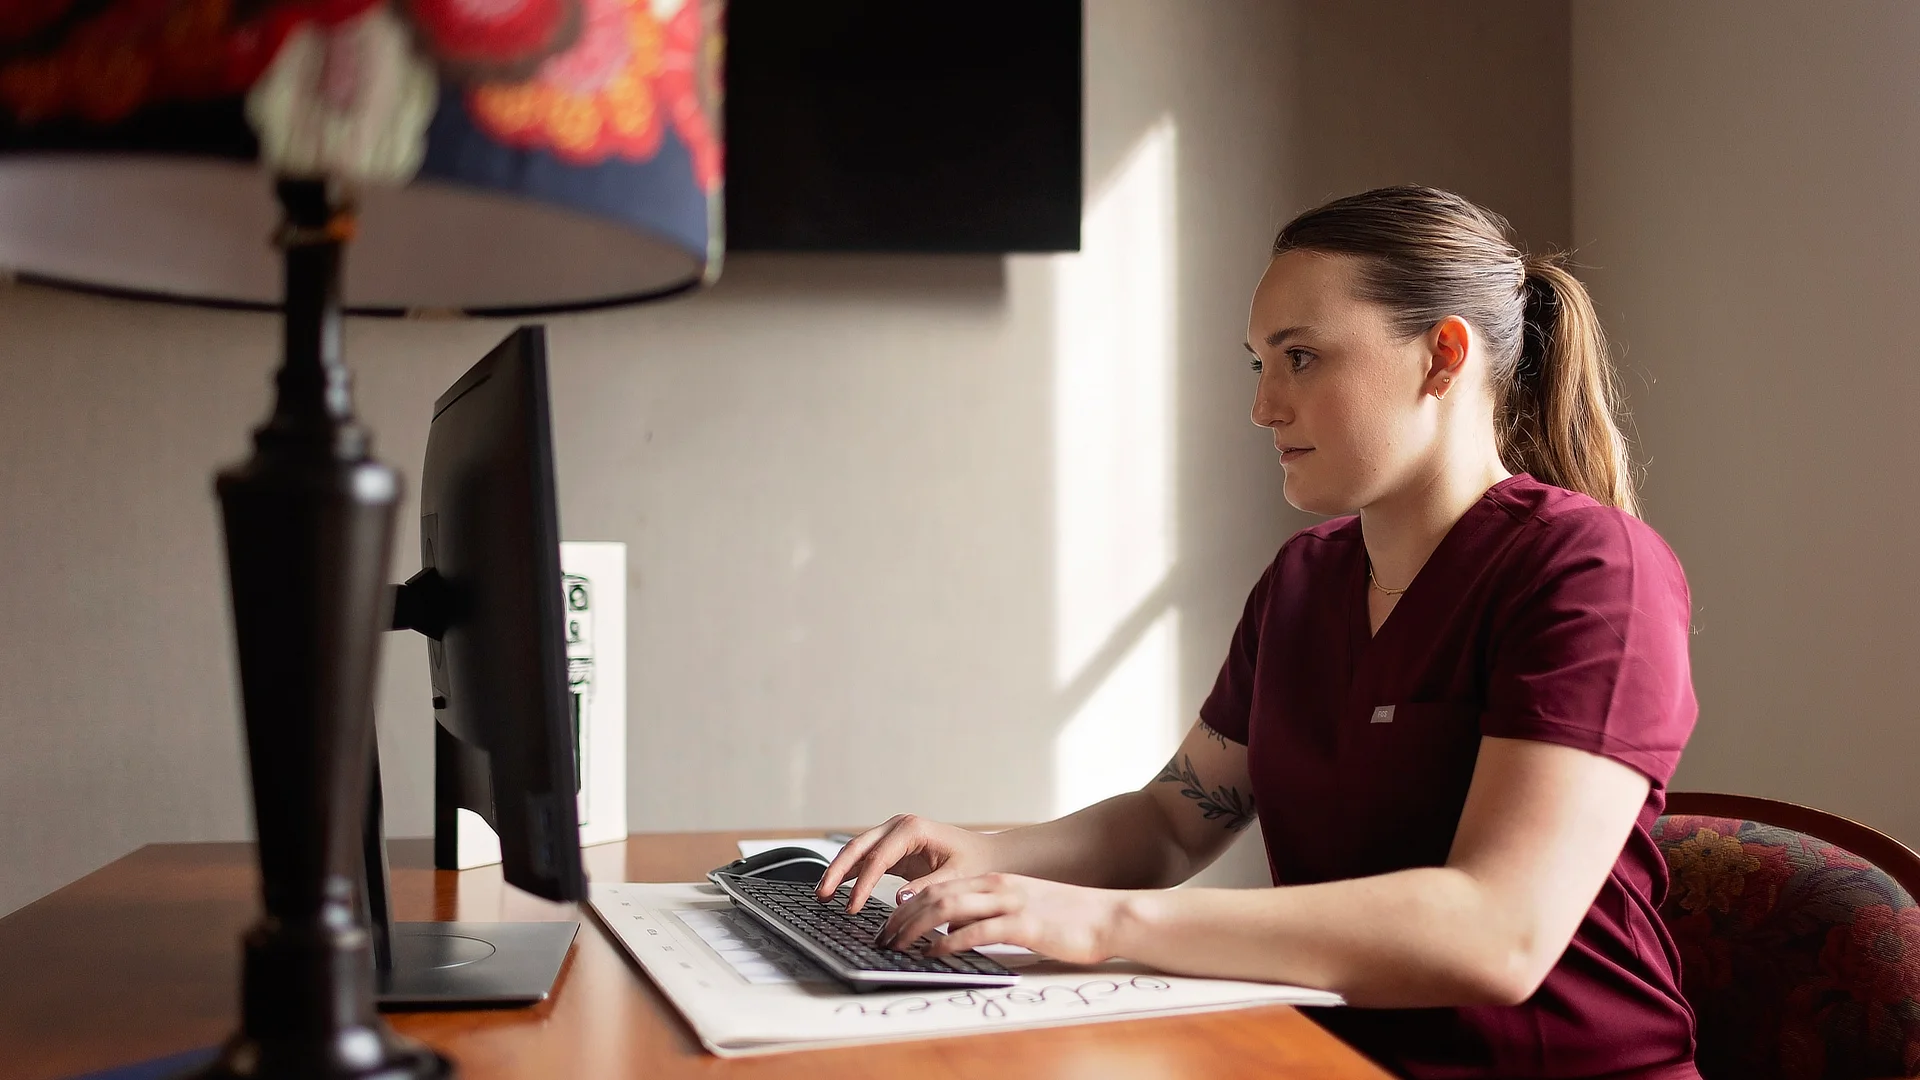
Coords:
1541,615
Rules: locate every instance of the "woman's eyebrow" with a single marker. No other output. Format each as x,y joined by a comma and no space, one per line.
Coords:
1274,339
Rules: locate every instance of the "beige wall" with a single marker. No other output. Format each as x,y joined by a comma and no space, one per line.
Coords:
884,516
1745,181
1471,97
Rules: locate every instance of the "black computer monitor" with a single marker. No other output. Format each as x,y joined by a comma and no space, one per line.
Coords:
489,529
488,598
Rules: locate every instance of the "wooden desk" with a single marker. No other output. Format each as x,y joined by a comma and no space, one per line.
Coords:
141,959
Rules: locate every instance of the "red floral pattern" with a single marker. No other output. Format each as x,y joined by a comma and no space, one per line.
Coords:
1806,966
135,53
613,93
588,80
499,40
690,84
1870,954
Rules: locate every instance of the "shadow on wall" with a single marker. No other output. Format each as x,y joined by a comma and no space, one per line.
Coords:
963,281
1116,625
1122,698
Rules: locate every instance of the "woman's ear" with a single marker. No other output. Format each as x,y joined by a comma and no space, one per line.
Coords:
1447,345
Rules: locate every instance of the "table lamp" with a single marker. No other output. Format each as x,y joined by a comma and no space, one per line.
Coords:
484,157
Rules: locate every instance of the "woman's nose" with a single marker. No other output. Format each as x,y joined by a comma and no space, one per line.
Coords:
1268,409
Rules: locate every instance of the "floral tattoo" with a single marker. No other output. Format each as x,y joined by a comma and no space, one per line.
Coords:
1221,802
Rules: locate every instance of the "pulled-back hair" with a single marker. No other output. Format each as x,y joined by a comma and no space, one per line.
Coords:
1426,254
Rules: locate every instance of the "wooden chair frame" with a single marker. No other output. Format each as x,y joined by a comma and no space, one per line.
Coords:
1900,862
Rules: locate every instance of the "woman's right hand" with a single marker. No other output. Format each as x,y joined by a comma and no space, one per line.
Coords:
922,851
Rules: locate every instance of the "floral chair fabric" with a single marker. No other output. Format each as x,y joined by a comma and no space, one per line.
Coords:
1801,960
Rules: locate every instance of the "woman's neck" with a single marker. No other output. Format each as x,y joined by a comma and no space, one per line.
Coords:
1402,530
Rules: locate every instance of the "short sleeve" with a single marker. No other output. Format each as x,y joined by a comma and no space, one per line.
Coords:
1594,655
1230,705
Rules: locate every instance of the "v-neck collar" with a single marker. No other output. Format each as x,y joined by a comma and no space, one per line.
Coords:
1436,584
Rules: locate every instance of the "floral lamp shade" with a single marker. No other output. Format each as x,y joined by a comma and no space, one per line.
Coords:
503,156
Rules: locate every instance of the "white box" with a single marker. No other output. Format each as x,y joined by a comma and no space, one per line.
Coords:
593,583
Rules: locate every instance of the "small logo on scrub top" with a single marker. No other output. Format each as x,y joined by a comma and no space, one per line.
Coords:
1382,715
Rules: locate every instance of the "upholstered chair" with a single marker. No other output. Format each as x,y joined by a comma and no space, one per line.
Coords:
1799,939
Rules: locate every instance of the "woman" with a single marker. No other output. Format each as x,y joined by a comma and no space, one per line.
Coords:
1456,710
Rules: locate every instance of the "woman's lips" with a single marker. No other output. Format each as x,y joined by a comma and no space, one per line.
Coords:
1294,453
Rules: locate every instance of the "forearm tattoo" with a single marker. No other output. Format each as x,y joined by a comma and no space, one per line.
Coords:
1214,735
1221,802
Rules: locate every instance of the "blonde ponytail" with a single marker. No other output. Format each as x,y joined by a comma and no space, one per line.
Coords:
1558,409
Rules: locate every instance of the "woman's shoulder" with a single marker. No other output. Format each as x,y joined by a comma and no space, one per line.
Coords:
1561,525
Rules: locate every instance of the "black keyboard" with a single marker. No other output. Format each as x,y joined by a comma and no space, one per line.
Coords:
843,943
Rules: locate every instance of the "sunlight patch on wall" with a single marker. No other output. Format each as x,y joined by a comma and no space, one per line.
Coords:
1126,731
1113,479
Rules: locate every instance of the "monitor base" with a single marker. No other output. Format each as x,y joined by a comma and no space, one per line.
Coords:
471,965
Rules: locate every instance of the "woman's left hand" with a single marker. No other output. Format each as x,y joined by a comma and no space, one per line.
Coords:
1067,922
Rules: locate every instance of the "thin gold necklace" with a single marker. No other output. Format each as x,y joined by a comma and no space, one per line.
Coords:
1375,582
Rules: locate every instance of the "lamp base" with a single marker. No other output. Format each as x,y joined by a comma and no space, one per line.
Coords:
405,1060
309,524
307,1010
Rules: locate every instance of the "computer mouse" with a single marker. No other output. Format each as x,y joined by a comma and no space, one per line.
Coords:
780,864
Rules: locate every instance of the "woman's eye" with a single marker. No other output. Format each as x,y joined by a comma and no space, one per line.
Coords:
1298,359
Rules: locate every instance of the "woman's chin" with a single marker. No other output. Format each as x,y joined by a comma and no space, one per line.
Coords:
1307,498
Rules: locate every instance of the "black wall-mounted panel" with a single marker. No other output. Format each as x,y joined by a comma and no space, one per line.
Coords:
903,125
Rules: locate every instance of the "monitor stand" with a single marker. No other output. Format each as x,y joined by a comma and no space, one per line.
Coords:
451,965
